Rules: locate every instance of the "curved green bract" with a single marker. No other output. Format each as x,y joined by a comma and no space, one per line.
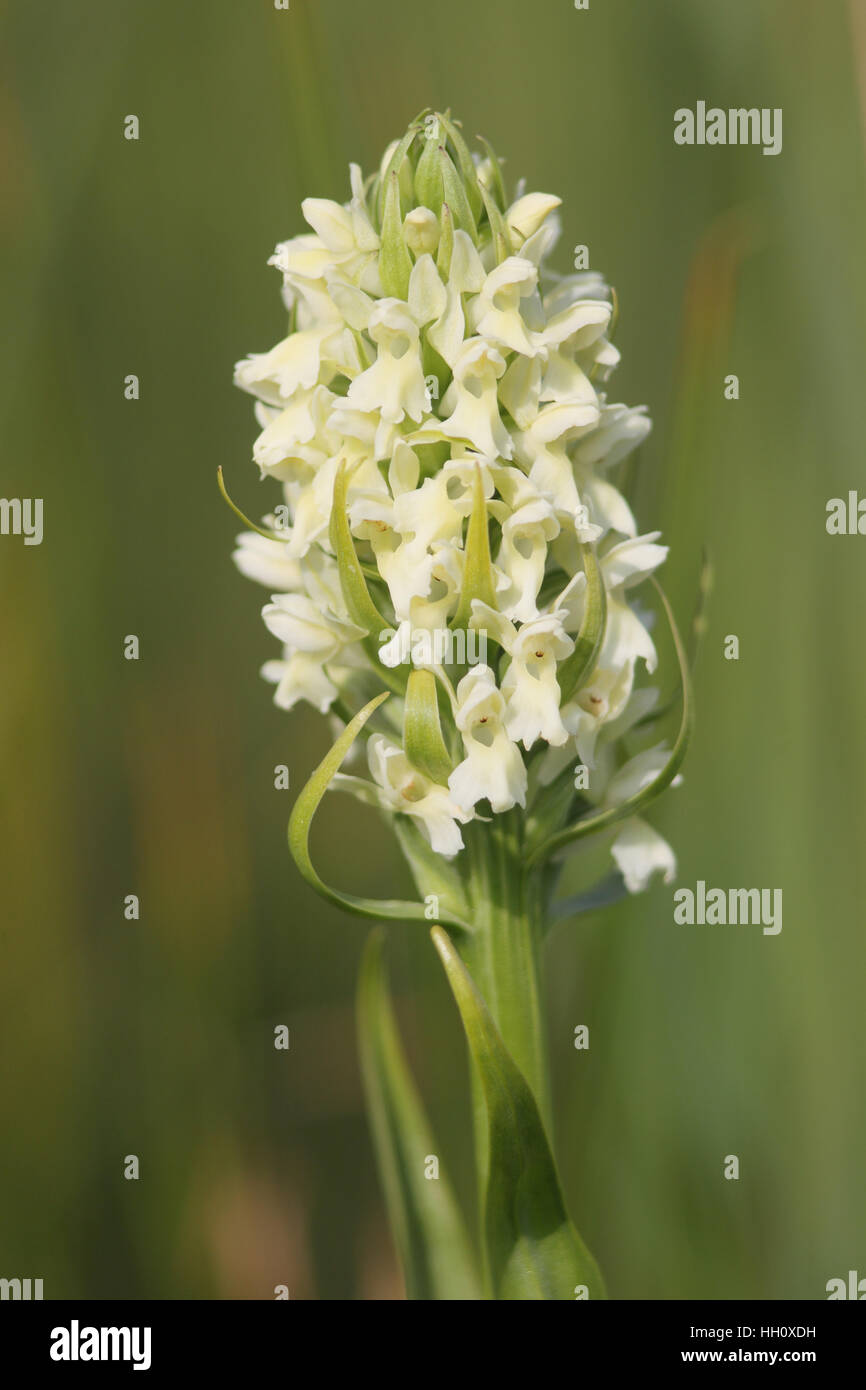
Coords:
434,1250
576,670
390,909
250,525
356,596
533,1250
600,820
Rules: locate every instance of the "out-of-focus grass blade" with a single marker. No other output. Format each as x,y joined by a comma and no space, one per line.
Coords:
431,1238
533,1250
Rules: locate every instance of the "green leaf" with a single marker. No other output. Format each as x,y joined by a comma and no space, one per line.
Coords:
428,1228
477,569
422,731
600,820
576,670
395,262
534,1252
299,837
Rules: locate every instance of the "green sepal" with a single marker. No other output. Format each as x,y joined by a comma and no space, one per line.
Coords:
576,670
428,1228
601,820
395,262
477,568
301,819
533,1250
422,731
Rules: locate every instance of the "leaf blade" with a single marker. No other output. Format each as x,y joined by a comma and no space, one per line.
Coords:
534,1251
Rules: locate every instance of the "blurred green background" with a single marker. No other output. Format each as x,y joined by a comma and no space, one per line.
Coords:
156,777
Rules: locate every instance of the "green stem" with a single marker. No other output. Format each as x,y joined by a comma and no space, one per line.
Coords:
503,956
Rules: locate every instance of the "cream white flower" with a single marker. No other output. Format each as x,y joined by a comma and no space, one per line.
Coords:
530,688
401,787
267,562
523,555
312,637
394,385
640,852
525,216
472,400
499,313
493,769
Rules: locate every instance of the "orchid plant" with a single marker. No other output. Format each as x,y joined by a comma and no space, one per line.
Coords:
455,579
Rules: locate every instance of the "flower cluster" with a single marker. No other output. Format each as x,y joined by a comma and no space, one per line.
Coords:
437,417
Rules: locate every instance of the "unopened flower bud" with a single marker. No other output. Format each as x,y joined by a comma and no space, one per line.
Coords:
421,230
